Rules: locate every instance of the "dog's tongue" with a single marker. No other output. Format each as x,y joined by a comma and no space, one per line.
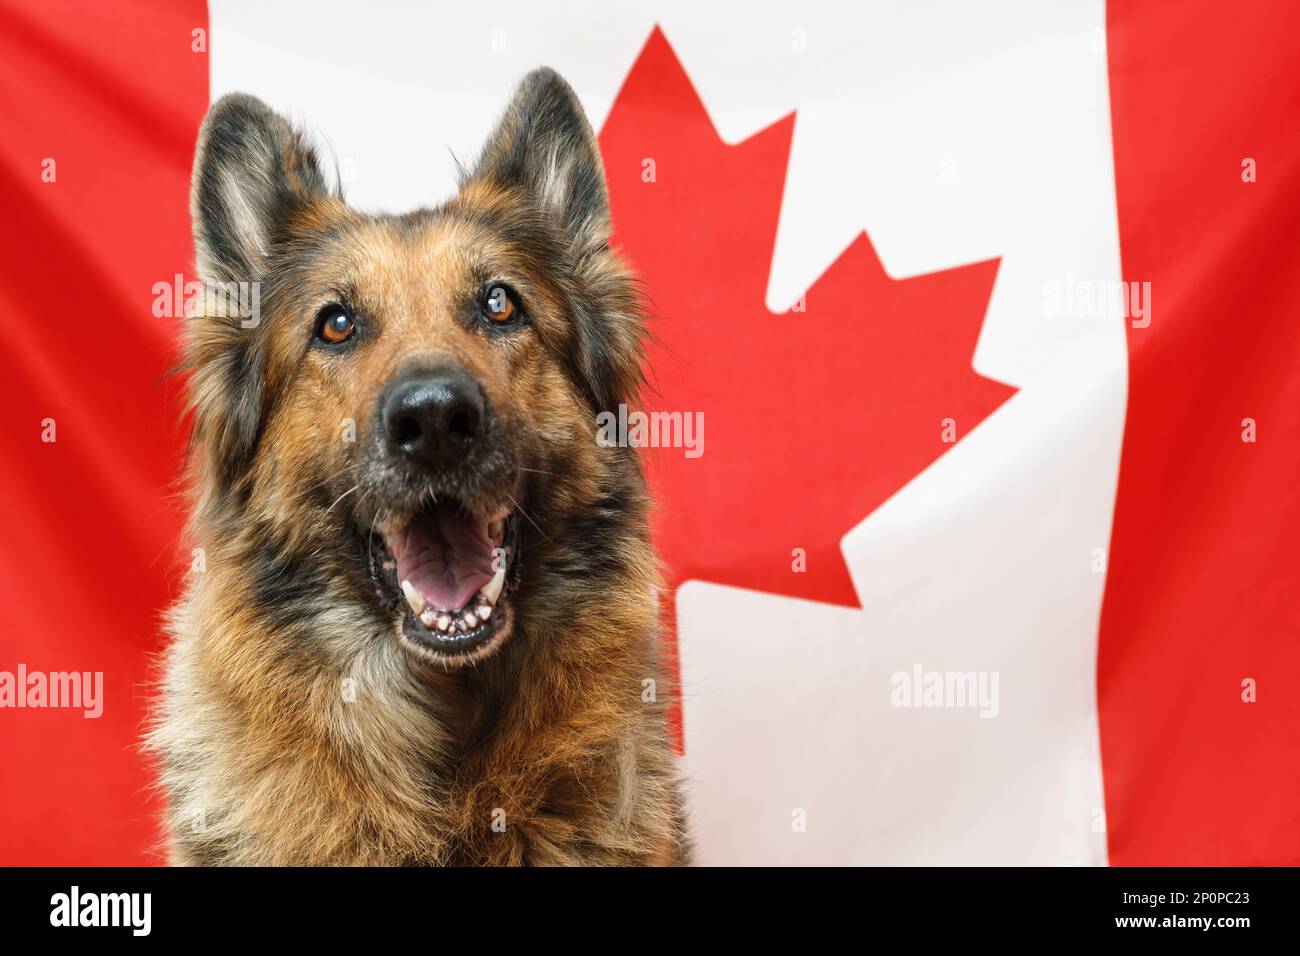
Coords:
446,555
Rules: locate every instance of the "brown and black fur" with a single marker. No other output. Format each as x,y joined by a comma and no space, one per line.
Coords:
294,727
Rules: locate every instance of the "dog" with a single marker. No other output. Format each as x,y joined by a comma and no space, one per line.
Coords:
421,627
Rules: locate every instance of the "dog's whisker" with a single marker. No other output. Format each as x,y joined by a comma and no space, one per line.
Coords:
342,496
519,508
352,466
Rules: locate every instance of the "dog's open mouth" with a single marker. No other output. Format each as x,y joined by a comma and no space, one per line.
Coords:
452,572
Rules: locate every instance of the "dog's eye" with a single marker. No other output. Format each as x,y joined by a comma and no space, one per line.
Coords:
335,325
499,306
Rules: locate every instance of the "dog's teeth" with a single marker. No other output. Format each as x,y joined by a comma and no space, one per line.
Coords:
484,611
444,622
427,619
413,598
470,619
461,625
389,565
492,590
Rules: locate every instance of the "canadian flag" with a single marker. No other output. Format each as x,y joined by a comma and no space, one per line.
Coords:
981,320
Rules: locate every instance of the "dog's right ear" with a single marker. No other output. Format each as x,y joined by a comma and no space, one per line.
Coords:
251,169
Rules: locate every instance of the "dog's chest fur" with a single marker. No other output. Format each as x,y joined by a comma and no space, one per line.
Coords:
268,761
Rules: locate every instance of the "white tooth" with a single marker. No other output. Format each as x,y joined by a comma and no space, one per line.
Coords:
413,597
461,625
470,619
444,622
427,619
484,611
388,565
492,590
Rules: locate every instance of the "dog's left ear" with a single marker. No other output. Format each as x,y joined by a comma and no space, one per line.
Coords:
545,147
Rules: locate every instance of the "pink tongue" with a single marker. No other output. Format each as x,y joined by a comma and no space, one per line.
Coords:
445,555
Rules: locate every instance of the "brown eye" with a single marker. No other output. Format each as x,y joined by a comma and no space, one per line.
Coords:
335,326
498,306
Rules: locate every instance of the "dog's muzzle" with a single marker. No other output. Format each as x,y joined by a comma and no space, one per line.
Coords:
448,545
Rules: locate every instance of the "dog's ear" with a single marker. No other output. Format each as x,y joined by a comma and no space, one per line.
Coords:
545,147
251,170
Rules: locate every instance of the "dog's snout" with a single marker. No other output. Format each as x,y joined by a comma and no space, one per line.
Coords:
434,419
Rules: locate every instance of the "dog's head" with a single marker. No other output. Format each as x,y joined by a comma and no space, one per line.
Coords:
415,400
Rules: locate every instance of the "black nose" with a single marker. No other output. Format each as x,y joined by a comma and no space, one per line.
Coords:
434,419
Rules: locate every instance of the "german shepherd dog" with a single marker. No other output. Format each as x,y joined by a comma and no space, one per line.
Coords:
423,626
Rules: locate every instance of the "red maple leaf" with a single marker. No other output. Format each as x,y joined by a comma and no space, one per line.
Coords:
812,418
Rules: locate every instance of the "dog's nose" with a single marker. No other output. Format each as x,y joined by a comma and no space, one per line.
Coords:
435,419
